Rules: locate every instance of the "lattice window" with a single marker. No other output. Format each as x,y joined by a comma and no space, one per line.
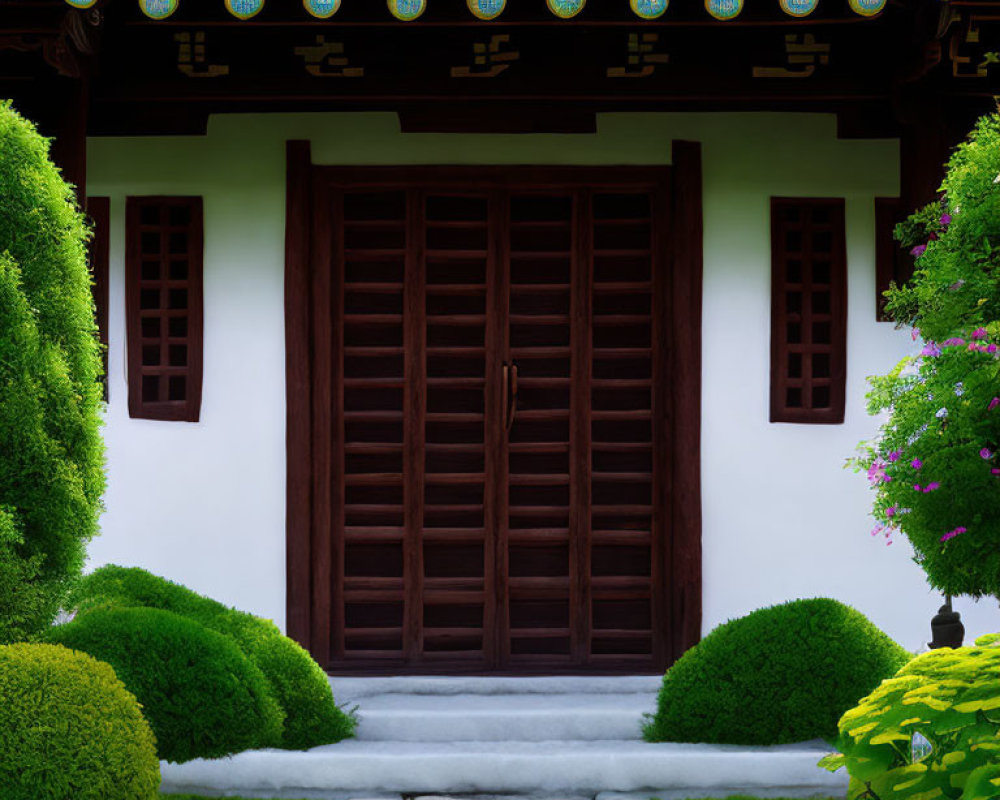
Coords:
163,286
808,310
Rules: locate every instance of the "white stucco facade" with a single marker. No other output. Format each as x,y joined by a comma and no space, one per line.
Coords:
204,503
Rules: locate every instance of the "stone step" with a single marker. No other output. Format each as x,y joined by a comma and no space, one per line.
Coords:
351,690
502,717
368,769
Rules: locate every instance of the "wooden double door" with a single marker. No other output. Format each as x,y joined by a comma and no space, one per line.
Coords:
490,419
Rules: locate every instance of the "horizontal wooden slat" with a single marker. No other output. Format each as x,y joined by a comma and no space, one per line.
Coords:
373,416
372,319
621,447
622,352
621,252
456,319
541,415
622,477
372,287
355,584
457,383
372,448
633,510
538,288
542,383
620,633
624,537
373,351
373,254
453,534
373,479
457,352
363,633
538,535
453,416
538,583
361,533
453,478
451,584
621,383
539,319
454,447
374,383
540,352
456,288
620,319
621,414
539,633
439,254
540,479
539,447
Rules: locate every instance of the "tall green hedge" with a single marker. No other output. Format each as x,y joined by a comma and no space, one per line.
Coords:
51,469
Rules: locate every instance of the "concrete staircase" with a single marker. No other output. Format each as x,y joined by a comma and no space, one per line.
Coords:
573,738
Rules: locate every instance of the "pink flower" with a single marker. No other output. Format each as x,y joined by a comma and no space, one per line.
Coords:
916,463
917,487
918,251
993,403
979,333
954,341
952,534
991,348
945,219
931,349
995,471
894,455
930,487
877,530
914,334
890,512
985,453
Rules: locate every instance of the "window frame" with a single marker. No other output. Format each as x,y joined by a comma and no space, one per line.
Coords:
189,408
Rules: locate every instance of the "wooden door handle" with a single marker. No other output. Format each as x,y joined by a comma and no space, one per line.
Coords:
512,397
505,394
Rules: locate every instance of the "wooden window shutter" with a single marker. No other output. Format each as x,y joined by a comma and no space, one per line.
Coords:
163,290
808,310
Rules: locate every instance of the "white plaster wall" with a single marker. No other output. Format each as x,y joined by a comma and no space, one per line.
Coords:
204,503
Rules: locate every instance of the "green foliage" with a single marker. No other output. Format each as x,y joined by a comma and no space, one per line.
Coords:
51,476
201,695
957,279
300,685
780,674
69,729
934,466
950,698
942,412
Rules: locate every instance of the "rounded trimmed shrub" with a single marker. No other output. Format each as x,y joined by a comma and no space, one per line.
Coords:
50,397
202,696
299,684
930,731
780,674
69,728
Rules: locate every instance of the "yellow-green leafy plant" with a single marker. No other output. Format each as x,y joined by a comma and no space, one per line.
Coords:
70,729
930,731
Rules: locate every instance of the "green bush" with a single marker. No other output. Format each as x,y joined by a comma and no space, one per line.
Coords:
935,465
300,685
50,397
780,674
201,695
69,729
930,731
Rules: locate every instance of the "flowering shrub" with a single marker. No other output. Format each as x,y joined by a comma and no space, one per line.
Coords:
956,283
935,466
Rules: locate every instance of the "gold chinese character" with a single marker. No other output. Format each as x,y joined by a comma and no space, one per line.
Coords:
191,57
326,60
488,60
802,55
642,57
969,58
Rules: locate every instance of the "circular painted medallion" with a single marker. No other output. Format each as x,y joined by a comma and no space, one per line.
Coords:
649,9
565,9
799,8
158,9
867,8
486,9
407,10
244,9
81,3
724,9
323,9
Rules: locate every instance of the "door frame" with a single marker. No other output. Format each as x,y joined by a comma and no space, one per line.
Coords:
308,562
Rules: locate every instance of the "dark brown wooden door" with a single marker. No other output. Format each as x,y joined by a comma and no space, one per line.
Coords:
490,414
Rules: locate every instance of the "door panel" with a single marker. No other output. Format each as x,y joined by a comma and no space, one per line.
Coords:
484,467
